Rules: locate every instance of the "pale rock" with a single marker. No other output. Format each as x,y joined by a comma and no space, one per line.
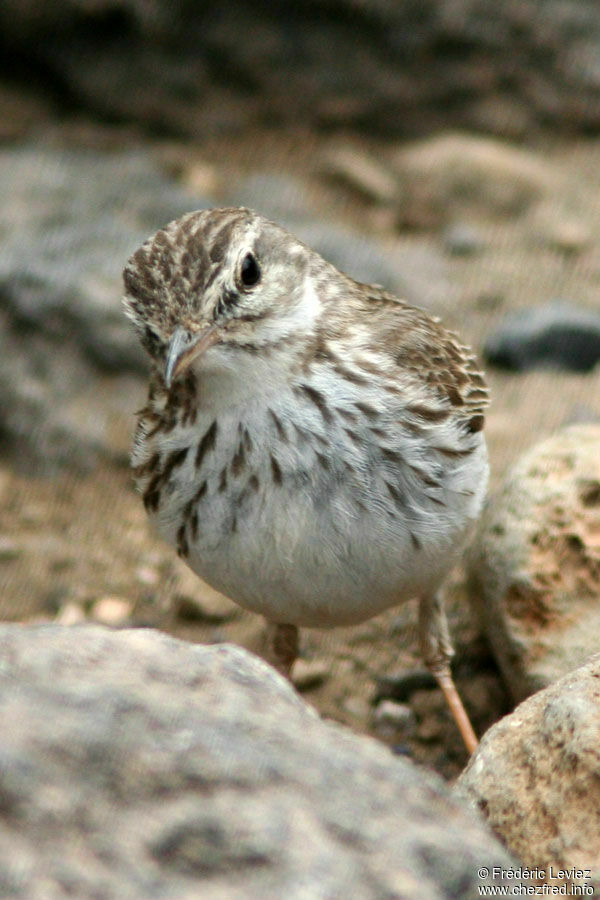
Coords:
535,777
114,611
534,566
135,765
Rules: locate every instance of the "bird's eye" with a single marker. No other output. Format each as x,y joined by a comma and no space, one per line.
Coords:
250,271
151,341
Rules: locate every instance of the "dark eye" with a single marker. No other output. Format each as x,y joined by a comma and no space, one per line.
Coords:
250,271
151,341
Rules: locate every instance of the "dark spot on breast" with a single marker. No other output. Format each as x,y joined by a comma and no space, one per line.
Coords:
347,414
350,375
194,525
182,543
238,463
247,441
174,459
281,432
354,437
151,498
392,455
149,467
323,461
398,498
415,541
369,411
318,400
253,483
200,492
207,443
276,470
223,480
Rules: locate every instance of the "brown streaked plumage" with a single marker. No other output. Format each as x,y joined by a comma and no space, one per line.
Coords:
312,446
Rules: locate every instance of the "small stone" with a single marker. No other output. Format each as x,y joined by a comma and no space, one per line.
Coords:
9,549
430,729
113,611
535,778
356,707
362,173
559,336
147,575
70,614
460,239
559,231
455,171
393,721
309,673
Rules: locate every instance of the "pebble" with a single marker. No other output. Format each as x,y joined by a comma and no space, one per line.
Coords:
146,575
9,549
70,614
392,721
559,336
362,172
309,673
111,611
461,239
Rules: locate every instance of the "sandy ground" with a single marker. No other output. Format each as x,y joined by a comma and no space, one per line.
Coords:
73,548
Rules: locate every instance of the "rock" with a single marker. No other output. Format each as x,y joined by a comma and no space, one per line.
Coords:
115,611
70,614
453,172
362,173
461,239
393,721
135,765
309,673
557,336
67,224
559,230
9,548
534,566
535,778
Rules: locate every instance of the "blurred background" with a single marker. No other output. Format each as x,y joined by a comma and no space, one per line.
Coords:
447,149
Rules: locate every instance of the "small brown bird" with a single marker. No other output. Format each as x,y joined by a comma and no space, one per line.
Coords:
312,446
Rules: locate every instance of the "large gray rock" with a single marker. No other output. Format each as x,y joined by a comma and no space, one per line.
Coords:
535,778
534,566
134,765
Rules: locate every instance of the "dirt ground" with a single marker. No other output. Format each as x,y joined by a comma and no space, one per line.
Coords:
73,548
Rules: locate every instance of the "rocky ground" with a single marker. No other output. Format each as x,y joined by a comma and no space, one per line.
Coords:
474,230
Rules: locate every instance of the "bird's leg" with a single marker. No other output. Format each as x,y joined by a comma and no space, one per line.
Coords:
281,646
437,652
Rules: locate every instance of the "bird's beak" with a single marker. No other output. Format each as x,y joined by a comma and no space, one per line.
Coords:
184,347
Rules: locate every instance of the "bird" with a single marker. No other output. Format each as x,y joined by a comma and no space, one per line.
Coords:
311,445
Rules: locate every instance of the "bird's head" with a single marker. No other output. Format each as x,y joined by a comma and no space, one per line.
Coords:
217,282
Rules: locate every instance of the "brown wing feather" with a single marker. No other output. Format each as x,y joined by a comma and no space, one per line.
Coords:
419,343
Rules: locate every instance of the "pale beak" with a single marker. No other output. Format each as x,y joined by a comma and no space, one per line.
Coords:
184,347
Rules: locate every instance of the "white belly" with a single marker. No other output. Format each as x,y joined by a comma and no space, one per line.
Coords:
327,544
